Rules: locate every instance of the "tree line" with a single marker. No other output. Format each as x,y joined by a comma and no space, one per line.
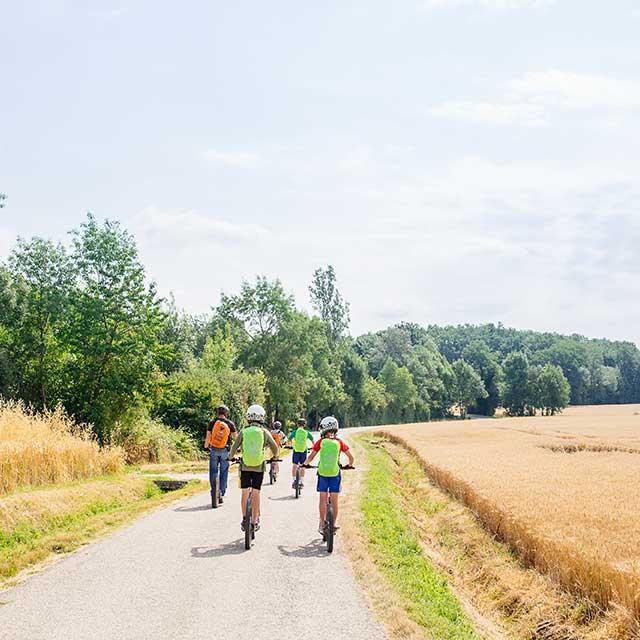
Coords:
82,327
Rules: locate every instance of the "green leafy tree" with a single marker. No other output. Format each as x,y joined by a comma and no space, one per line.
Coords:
485,362
468,386
517,384
113,329
328,302
400,389
45,279
552,390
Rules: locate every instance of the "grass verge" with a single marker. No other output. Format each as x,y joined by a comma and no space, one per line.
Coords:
396,551
37,524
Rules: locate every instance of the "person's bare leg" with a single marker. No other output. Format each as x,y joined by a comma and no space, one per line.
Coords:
294,466
323,506
243,501
334,502
256,506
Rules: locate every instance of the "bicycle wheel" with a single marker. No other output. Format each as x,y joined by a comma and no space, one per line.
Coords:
298,482
272,475
248,529
329,528
214,494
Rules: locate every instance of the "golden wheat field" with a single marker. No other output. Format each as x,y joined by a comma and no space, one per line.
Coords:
38,449
563,491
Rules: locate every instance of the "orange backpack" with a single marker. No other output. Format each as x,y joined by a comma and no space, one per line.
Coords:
219,434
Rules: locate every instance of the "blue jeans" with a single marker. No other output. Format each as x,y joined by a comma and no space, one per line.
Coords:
219,459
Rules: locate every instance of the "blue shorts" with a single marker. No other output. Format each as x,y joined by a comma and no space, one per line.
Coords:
330,484
299,457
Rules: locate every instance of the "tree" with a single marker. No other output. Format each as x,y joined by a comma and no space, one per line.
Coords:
328,302
516,389
550,389
112,333
485,362
46,277
468,386
400,389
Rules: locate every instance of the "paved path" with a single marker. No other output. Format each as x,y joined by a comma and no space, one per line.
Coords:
182,573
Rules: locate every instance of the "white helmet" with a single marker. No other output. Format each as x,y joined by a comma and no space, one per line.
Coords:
256,413
328,424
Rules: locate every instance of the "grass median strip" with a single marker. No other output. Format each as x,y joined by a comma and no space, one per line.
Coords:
36,524
397,552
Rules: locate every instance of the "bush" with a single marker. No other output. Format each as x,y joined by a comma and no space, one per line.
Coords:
146,440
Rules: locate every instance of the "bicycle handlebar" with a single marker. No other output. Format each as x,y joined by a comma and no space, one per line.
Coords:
239,460
344,467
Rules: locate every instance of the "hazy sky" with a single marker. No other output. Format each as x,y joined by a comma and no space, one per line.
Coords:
455,160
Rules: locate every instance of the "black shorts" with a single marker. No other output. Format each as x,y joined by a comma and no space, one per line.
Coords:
251,479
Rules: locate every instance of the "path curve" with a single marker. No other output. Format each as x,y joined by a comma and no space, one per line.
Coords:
182,573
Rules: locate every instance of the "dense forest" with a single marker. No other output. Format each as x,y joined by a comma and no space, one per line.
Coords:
82,327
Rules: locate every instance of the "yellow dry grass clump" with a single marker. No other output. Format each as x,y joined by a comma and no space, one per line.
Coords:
37,449
562,491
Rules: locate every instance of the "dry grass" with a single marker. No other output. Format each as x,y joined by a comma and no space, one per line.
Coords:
37,449
573,516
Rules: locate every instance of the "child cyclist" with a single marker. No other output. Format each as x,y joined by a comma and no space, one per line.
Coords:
253,439
298,438
280,438
329,479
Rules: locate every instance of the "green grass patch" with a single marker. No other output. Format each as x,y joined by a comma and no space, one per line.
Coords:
396,551
37,534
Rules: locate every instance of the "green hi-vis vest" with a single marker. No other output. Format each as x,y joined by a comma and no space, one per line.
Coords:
329,464
252,446
300,441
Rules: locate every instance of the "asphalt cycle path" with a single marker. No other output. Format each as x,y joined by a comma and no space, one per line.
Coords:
183,573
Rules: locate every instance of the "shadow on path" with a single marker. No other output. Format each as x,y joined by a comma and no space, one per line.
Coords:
281,498
314,549
229,549
202,507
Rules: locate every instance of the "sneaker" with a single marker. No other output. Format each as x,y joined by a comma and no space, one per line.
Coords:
256,526
321,528
293,484
242,524
301,484
220,499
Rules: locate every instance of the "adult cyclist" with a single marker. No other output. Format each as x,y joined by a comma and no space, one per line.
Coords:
253,439
298,439
220,432
329,479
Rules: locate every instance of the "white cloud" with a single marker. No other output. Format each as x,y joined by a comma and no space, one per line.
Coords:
493,113
187,228
488,4
532,99
234,159
573,91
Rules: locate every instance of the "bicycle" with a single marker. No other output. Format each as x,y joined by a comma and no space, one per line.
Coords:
247,520
329,529
297,484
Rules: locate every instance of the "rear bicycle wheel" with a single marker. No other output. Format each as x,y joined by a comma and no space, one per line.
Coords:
248,528
329,528
298,482
272,475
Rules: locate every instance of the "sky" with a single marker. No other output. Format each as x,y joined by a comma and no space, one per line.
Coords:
456,161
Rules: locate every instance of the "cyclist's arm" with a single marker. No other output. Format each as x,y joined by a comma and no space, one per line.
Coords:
350,457
236,445
310,436
207,438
